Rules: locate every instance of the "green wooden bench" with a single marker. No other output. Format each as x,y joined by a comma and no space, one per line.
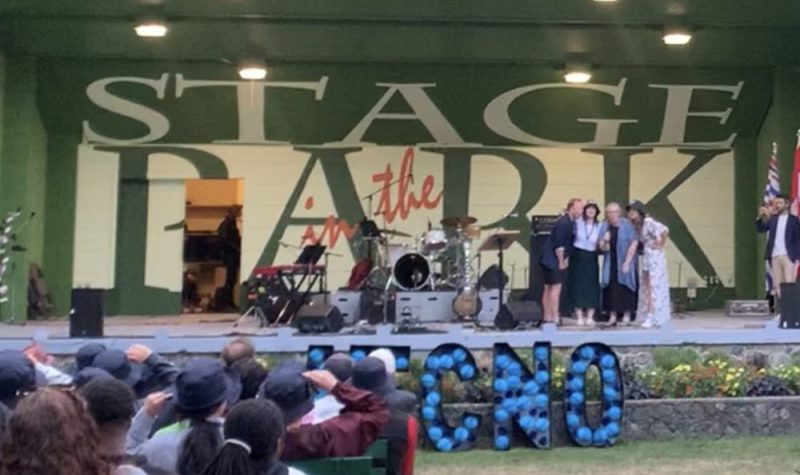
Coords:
372,463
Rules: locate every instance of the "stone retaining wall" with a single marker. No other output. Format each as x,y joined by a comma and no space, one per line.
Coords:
664,419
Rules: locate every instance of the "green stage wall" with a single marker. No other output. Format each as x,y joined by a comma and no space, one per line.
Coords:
23,166
320,136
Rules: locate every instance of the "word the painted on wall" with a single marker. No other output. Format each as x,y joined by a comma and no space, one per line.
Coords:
498,118
522,395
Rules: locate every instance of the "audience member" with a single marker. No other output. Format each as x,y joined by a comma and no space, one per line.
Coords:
251,373
141,368
185,448
85,355
327,406
350,434
239,348
386,355
370,374
111,404
17,376
51,433
253,433
86,375
44,366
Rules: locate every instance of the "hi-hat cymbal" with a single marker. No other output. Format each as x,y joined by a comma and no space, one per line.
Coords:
394,232
459,221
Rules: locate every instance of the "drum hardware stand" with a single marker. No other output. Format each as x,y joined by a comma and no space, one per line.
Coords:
500,241
256,312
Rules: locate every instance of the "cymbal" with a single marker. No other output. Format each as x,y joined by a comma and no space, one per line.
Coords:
459,221
394,232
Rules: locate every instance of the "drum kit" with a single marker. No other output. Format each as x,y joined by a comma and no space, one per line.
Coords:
439,259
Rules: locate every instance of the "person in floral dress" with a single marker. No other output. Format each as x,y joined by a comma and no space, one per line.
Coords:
654,303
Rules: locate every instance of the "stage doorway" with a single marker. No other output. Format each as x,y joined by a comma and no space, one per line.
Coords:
212,246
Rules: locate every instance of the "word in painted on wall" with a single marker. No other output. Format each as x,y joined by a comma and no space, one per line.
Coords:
522,396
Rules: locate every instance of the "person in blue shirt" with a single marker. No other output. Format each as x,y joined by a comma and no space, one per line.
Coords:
555,259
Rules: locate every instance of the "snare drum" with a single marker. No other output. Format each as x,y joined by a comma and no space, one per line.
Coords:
411,272
434,240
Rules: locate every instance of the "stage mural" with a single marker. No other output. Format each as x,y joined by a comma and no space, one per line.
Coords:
131,201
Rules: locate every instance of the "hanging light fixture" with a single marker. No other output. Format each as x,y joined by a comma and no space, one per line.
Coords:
151,28
675,35
577,73
253,70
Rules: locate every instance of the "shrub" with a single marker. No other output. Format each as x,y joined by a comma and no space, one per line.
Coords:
670,358
769,386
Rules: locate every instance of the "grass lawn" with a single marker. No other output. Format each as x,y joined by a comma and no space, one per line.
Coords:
750,456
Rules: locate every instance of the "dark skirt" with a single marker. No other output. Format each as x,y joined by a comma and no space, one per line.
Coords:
584,285
617,297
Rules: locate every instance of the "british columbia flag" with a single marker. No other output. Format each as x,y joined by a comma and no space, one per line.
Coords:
771,191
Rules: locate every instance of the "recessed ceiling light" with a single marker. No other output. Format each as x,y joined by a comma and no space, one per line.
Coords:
577,73
253,71
151,28
605,1
677,36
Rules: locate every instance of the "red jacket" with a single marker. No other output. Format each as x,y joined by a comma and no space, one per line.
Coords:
359,424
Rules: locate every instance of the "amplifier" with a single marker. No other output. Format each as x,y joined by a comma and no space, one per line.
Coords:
318,318
426,307
86,315
349,304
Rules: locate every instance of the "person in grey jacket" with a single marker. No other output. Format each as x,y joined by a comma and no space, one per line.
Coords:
203,392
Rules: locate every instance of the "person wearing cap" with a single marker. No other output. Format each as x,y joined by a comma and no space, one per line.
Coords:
584,286
397,399
203,391
17,376
654,302
554,259
85,355
783,241
371,375
619,278
328,407
140,367
361,421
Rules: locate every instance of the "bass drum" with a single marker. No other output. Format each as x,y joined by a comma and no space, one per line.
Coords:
411,272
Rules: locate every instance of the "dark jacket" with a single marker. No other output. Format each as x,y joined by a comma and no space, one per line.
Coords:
562,235
361,421
400,400
792,236
157,375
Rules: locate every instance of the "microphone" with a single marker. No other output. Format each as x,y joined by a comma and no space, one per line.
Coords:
283,244
411,178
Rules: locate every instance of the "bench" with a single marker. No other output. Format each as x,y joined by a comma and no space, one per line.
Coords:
372,463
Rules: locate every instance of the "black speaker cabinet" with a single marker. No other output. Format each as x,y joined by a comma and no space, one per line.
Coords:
86,315
319,318
790,306
526,311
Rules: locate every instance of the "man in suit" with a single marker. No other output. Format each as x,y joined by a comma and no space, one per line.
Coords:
555,258
783,241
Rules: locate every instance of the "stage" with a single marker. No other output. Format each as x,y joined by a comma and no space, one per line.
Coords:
206,333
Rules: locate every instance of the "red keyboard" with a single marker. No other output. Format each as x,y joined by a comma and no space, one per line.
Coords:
288,269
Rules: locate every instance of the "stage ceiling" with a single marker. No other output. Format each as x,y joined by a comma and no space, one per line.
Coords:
727,33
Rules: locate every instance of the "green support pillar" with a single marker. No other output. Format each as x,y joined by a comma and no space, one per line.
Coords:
22,178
